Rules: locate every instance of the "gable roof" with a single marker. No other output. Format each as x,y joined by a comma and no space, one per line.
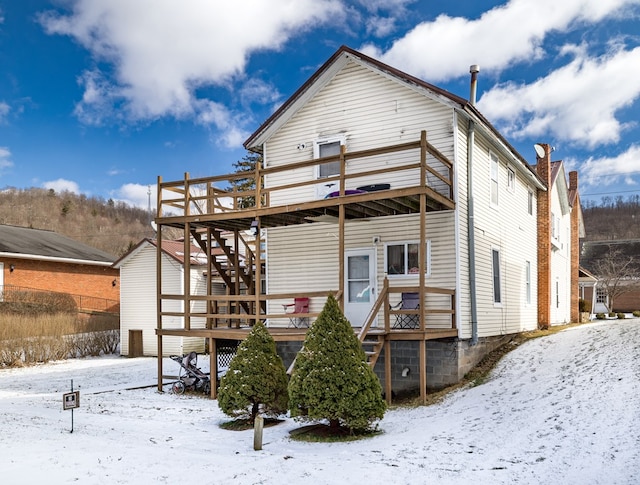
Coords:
173,249
337,61
39,244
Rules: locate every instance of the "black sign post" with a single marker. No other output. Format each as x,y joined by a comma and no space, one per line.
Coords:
71,400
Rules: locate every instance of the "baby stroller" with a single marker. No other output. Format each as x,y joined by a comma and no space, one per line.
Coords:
190,377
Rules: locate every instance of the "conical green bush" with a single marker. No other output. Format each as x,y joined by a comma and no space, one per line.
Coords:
331,378
256,382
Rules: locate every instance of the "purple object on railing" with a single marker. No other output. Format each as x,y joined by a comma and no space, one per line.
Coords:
336,193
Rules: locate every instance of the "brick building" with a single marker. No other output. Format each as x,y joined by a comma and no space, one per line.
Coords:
43,260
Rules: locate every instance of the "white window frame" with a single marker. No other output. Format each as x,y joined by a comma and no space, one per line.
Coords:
494,179
316,153
530,202
511,180
496,277
406,270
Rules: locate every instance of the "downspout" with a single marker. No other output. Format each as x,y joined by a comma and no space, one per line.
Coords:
474,69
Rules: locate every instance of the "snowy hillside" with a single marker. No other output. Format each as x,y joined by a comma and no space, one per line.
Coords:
559,409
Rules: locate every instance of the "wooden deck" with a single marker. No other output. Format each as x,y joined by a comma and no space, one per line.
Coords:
202,210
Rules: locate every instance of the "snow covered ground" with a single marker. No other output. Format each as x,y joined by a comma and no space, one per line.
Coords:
563,409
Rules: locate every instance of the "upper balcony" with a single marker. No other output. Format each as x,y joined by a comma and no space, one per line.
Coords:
372,183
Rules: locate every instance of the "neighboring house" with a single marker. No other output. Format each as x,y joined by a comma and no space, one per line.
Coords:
595,301
618,262
138,295
375,186
36,259
560,227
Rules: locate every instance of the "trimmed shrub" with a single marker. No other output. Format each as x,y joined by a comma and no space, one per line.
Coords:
331,379
27,302
600,316
612,314
621,315
636,313
256,381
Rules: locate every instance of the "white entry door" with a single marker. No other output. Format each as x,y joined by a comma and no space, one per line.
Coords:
360,284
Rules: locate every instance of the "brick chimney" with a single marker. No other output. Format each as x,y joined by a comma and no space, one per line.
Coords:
575,246
543,167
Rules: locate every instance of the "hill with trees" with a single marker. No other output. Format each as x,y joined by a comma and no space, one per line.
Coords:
614,218
112,226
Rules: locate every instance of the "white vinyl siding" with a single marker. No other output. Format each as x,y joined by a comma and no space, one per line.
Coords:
514,232
368,110
560,266
316,267
138,303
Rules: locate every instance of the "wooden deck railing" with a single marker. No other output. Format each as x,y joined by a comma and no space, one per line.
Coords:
219,195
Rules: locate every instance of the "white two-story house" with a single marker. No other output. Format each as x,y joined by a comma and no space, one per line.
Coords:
380,188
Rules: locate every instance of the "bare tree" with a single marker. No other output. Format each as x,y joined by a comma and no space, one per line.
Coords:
619,273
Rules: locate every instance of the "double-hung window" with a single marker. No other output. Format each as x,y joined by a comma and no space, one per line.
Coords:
403,259
326,148
495,261
495,165
511,180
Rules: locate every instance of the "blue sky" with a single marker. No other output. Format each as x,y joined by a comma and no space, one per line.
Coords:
101,97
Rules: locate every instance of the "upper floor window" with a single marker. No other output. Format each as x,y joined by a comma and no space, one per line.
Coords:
495,164
555,227
403,259
325,148
511,180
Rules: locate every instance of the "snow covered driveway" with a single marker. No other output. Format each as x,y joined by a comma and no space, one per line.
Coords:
562,409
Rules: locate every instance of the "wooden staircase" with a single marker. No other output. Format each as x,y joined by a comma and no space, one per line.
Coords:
372,345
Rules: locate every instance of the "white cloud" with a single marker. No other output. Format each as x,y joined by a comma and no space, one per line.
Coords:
577,102
162,51
5,158
62,185
608,170
137,195
510,33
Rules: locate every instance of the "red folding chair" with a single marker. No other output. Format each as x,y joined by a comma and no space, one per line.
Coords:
299,305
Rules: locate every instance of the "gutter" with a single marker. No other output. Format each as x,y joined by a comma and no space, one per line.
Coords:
55,260
471,136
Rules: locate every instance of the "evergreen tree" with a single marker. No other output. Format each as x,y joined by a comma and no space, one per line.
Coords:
331,378
256,380
246,165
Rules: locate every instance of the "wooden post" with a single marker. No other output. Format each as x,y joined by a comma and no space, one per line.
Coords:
186,302
257,276
387,370
159,282
213,367
423,371
258,426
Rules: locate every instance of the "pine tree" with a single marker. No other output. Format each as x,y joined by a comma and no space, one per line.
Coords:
331,378
246,166
256,380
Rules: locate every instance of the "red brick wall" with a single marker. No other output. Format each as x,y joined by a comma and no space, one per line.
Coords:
543,168
76,279
575,250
